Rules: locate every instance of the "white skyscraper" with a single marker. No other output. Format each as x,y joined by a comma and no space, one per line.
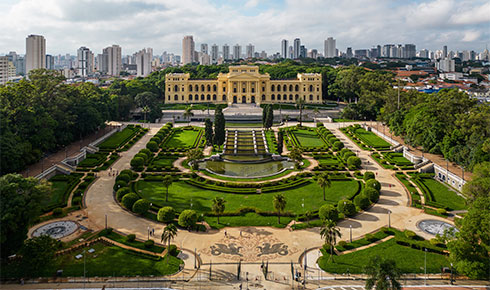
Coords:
4,70
85,60
143,62
330,48
214,53
237,51
112,61
226,52
284,48
188,48
296,48
35,52
250,50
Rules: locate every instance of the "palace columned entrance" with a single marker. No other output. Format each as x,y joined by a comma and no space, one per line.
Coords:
244,100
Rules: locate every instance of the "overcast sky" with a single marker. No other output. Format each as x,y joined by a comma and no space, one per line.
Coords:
161,24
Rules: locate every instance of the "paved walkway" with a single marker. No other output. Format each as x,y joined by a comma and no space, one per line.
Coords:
101,204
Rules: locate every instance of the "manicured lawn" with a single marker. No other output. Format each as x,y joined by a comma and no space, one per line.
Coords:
397,158
408,260
92,160
442,195
181,195
163,161
308,138
136,244
62,185
270,138
371,139
182,138
118,139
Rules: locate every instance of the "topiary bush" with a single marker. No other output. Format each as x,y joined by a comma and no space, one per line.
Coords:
368,175
187,218
129,199
337,145
57,211
122,192
137,162
131,238
123,177
354,161
373,183
149,243
153,146
346,207
329,212
120,184
371,193
409,234
173,251
166,214
362,201
129,173
77,201
141,206
147,152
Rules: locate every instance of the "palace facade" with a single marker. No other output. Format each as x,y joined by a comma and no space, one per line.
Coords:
243,84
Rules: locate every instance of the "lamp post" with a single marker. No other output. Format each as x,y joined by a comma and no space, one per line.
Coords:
106,222
350,227
425,266
451,277
389,218
303,205
84,258
148,230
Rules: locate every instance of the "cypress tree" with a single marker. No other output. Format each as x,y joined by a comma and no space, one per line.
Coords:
219,127
269,119
264,116
280,140
208,131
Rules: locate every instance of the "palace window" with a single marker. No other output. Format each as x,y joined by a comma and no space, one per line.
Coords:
234,90
311,97
311,88
190,97
209,88
202,97
214,88
190,88
296,88
273,97
202,88
290,87
224,97
253,90
263,97
278,97
284,88
244,90
196,88
176,97
176,88
214,97
290,97
224,89
272,88
278,88
208,97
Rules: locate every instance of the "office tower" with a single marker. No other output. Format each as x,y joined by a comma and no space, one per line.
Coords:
226,52
49,61
410,50
85,60
35,52
4,70
290,52
444,51
284,48
313,53
250,50
237,51
214,53
329,49
302,51
188,48
361,53
424,53
143,60
263,54
296,48
348,53
204,48
111,60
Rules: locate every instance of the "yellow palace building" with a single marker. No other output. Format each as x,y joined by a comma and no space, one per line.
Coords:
243,84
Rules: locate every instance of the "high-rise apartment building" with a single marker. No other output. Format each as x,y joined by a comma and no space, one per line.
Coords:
143,60
226,52
204,48
4,70
296,48
188,49
410,51
237,51
249,51
85,60
284,48
446,65
330,47
214,54
444,51
35,52
49,61
302,51
112,60
348,53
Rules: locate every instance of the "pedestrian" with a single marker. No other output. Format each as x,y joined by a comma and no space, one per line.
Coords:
153,231
226,234
240,233
376,173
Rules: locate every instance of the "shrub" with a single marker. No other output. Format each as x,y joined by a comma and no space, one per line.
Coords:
149,243
409,234
142,155
131,238
368,175
128,172
123,177
122,192
57,211
129,199
346,207
153,146
156,139
106,232
147,152
374,184
319,124
337,145
120,184
342,244
187,218
354,161
141,206
137,162
371,193
362,201
441,211
166,214
173,251
370,237
77,201
328,211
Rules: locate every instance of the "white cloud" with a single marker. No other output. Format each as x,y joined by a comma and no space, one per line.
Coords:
134,24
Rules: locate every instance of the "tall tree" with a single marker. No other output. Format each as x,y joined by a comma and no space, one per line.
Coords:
219,126
20,200
208,132
382,274
37,255
218,206
169,233
269,118
264,115
188,113
193,156
300,103
280,142
296,154
279,203
324,181
167,182
330,232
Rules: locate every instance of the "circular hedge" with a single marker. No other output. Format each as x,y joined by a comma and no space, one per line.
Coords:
328,212
137,162
141,206
187,218
354,161
166,214
153,146
129,199
123,177
362,201
346,207
371,193
122,192
374,184
368,175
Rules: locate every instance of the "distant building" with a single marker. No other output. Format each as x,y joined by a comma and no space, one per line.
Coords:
237,51
214,54
85,60
444,51
348,53
284,48
35,52
410,50
204,58
361,53
188,48
296,48
49,61
243,84
302,51
226,52
4,70
445,65
204,48
143,60
330,48
249,50
111,60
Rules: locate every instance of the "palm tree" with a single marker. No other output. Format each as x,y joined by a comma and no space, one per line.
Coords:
329,233
167,181
316,111
188,113
324,181
169,233
279,203
383,274
300,102
218,206
145,110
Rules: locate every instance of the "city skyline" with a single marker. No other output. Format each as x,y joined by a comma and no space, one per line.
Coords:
430,25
